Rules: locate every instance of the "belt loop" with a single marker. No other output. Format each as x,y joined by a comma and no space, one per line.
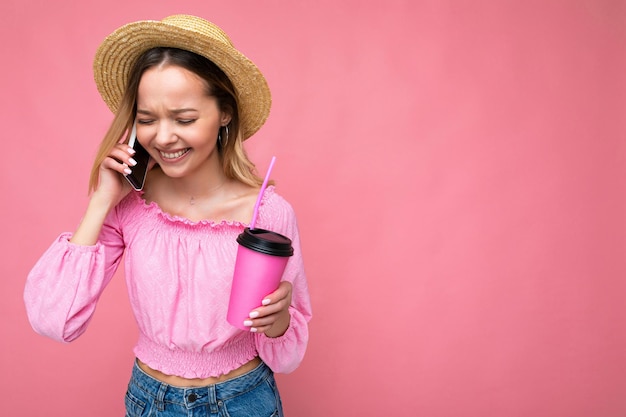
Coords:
212,399
160,397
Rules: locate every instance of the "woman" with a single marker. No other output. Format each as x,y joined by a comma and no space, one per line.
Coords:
193,99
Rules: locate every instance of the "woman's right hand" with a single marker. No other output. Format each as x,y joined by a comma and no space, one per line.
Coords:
112,185
112,188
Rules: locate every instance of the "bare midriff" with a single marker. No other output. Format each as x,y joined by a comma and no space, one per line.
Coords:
178,381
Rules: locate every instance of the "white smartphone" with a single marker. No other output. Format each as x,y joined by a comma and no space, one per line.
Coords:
137,177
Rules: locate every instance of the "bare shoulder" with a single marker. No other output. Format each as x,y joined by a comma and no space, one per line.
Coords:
241,194
241,190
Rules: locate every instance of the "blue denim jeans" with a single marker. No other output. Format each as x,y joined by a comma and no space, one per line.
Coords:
253,394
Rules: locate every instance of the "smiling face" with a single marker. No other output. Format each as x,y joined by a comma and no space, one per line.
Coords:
178,121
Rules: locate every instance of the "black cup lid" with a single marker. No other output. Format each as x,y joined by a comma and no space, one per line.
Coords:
265,241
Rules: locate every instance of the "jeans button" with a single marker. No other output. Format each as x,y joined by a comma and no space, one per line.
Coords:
192,397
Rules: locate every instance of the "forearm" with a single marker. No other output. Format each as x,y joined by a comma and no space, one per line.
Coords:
90,226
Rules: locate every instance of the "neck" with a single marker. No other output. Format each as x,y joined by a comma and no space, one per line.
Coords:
204,185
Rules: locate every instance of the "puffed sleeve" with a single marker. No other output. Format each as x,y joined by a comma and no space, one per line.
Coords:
64,286
285,353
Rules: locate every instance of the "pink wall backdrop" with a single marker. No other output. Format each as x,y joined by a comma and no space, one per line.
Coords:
458,168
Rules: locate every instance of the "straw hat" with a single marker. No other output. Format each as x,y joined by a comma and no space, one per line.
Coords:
119,51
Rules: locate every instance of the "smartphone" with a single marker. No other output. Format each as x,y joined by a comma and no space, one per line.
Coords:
137,177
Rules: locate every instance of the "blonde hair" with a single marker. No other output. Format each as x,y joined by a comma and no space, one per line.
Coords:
235,162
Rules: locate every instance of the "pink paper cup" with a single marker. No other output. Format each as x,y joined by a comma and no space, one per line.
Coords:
261,259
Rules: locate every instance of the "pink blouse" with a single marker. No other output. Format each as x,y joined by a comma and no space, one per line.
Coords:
178,275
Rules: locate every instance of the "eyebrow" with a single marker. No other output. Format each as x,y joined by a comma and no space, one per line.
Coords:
174,111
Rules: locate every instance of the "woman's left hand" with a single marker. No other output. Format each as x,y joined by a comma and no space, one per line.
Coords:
273,317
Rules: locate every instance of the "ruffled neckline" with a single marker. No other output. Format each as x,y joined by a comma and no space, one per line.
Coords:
153,207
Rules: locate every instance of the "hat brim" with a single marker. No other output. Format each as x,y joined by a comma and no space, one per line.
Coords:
118,52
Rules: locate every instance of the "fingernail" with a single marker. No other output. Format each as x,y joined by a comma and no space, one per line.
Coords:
131,150
266,301
132,162
253,329
127,171
247,323
254,314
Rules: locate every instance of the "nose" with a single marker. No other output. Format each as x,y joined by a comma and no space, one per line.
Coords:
165,135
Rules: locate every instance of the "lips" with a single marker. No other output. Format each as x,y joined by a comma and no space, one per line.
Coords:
174,155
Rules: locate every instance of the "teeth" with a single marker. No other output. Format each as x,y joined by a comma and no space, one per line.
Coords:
173,155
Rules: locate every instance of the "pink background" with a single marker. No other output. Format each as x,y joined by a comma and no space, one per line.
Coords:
458,168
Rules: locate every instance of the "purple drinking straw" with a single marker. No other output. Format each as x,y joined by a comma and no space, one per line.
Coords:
260,197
